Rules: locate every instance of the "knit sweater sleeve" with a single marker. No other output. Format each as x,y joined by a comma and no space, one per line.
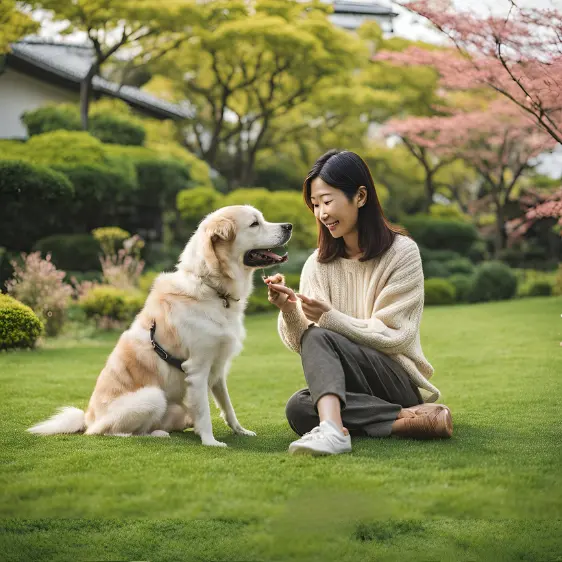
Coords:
396,316
292,325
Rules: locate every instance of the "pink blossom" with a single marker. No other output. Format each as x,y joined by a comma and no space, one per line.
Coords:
519,57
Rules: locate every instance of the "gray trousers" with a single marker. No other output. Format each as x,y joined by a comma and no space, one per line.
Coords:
371,386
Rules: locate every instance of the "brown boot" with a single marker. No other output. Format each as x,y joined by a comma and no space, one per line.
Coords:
420,410
429,421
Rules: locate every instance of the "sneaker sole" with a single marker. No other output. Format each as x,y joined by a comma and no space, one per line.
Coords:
306,452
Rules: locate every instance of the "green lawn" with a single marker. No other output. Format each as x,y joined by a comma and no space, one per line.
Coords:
493,492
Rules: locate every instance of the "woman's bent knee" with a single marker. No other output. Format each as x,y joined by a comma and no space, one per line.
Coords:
312,335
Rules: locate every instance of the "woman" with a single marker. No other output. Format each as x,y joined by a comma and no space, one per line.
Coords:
355,321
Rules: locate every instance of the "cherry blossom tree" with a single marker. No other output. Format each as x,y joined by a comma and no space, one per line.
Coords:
536,205
519,56
498,142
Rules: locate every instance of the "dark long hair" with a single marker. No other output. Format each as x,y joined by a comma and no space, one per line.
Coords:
347,171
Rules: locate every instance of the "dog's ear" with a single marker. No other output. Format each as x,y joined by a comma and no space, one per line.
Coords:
222,229
219,230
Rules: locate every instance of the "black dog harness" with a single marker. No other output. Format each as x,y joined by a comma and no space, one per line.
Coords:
161,352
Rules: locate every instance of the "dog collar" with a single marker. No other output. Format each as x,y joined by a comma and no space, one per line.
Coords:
161,352
226,297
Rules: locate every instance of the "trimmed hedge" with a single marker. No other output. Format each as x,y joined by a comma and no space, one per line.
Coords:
33,202
435,269
439,233
438,255
52,118
65,148
19,325
158,182
78,252
540,289
439,291
103,196
107,124
109,302
462,284
114,129
460,265
493,281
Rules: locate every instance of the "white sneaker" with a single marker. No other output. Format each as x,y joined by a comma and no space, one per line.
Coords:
325,439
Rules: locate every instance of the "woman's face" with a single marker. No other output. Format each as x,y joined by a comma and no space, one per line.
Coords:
334,209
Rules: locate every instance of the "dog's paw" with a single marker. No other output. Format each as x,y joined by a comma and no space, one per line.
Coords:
241,431
214,443
159,433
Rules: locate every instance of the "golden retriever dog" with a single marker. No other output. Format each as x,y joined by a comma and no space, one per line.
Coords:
181,344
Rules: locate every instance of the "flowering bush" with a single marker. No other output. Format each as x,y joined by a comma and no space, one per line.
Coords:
124,268
110,238
39,284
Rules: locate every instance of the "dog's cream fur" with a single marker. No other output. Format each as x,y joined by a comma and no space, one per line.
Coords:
138,393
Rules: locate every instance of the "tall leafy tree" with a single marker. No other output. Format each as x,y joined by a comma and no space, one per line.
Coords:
113,25
14,24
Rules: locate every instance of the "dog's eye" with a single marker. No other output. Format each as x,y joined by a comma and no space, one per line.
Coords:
255,223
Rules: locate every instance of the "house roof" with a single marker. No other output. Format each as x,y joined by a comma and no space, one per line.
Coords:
362,9
67,64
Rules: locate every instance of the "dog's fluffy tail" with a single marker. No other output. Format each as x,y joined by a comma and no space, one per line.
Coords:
67,420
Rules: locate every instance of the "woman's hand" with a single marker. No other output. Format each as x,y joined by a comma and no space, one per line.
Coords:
278,294
312,308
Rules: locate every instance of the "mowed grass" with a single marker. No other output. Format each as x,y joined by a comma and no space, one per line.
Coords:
493,492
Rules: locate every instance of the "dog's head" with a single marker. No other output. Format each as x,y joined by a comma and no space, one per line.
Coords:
240,235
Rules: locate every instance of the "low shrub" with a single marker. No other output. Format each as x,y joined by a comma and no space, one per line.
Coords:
435,269
438,292
540,289
77,252
462,284
493,281
110,306
19,325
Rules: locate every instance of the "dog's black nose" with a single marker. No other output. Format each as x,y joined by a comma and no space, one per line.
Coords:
287,226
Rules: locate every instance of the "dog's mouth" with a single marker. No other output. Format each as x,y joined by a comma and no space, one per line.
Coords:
263,258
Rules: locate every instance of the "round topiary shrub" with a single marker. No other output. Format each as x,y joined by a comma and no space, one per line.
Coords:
52,118
439,291
438,255
34,202
493,281
540,289
460,265
433,269
478,251
76,252
106,302
462,284
65,148
439,233
114,129
19,325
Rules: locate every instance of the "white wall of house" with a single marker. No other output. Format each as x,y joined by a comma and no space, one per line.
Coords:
19,93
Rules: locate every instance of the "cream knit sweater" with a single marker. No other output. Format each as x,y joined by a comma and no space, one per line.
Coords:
377,303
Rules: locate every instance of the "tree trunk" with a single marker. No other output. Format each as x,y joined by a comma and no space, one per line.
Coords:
85,91
500,237
429,191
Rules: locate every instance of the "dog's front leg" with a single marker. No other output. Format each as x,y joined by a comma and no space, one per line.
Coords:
222,398
197,378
